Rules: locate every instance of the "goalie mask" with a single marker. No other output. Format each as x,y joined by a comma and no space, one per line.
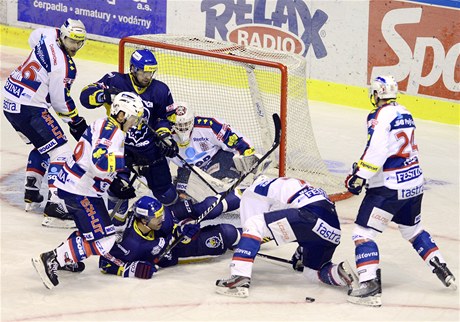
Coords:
143,66
72,36
132,107
384,87
185,119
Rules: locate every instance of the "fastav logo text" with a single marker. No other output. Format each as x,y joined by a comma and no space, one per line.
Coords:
266,27
418,44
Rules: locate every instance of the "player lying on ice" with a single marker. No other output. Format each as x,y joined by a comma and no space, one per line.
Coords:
150,228
287,210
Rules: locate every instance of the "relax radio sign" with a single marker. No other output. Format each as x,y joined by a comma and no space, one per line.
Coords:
285,25
417,43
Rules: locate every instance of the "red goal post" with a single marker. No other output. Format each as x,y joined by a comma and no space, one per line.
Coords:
243,86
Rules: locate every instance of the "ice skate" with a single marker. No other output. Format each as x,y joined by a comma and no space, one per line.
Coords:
46,266
348,276
236,285
443,273
57,217
32,196
77,267
368,293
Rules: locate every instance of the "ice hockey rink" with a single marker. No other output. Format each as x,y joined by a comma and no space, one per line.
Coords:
186,292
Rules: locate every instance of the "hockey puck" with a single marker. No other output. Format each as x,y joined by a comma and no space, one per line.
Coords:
309,299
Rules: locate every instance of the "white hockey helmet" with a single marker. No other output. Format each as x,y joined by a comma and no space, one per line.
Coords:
385,87
131,105
185,118
75,30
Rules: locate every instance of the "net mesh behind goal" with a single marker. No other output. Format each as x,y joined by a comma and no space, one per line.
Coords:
243,86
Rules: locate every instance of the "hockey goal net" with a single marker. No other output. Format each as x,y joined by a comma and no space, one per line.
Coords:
243,86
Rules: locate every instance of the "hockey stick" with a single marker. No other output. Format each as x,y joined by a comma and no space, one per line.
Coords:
277,259
221,197
184,162
120,201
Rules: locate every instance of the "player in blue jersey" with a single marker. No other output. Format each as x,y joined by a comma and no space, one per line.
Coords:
150,228
143,147
394,191
42,82
83,182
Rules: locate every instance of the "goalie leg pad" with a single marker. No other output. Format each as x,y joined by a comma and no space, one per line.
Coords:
196,188
222,166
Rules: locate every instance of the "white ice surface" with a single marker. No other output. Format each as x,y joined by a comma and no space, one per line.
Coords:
186,292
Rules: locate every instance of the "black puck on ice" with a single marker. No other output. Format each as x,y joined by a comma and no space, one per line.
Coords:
309,299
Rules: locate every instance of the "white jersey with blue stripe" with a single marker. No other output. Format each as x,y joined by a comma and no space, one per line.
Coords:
391,158
209,136
291,192
45,78
97,157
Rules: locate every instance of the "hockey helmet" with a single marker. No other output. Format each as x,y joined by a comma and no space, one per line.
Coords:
131,104
148,208
75,30
385,87
143,60
184,120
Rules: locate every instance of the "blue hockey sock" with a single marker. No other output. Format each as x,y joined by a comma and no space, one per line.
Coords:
367,260
247,248
426,247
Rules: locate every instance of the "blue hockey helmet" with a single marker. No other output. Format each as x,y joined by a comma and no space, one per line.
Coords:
143,59
148,208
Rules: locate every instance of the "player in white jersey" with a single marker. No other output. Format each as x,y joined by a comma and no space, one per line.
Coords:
42,82
83,181
390,167
287,210
211,145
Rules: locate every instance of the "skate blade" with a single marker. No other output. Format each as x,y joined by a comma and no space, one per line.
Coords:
39,267
241,292
52,222
351,273
30,206
451,283
375,300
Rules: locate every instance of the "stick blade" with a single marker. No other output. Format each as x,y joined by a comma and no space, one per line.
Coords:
277,123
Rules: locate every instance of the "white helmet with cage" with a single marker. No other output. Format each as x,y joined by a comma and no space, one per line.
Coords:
75,30
185,118
385,87
132,107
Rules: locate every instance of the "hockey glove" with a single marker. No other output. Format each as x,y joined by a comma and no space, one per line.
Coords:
244,163
353,182
189,229
139,269
297,259
168,147
121,189
77,127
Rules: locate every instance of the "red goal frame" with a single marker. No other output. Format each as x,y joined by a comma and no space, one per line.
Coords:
282,68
